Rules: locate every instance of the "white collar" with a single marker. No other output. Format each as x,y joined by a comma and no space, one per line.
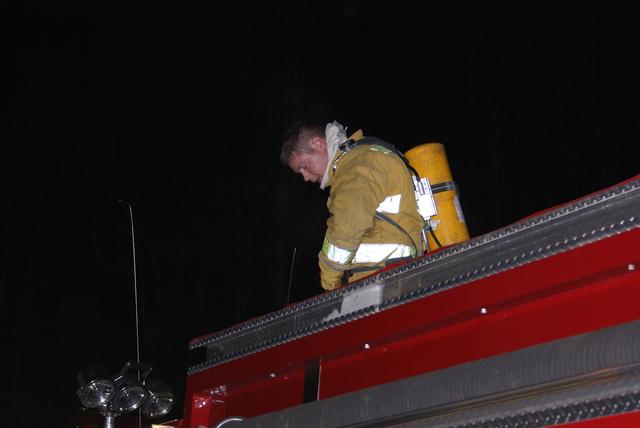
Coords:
335,134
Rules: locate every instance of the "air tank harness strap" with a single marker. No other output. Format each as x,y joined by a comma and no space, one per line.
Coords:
389,220
435,189
373,141
349,273
445,186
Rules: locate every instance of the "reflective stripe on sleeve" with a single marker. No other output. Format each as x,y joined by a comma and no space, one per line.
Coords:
375,253
337,254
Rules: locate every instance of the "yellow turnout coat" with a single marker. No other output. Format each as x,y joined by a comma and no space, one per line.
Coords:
367,180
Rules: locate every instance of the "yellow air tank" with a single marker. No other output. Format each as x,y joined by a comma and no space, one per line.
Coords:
430,161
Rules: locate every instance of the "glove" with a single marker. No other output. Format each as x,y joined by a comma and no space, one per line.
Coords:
330,278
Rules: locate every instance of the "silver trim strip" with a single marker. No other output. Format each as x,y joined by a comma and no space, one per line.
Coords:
575,378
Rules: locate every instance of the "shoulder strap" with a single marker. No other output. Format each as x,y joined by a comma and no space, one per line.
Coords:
373,141
389,220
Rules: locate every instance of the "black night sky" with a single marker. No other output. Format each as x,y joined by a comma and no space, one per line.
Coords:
179,108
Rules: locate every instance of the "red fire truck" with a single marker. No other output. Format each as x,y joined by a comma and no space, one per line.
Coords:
535,324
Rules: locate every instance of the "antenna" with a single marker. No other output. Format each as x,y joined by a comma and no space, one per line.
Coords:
135,296
135,279
293,259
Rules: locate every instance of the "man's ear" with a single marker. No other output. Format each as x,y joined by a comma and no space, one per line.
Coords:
318,143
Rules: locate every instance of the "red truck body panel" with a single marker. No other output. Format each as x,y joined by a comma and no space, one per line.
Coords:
575,291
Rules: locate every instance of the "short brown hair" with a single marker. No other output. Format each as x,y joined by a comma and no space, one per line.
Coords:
296,139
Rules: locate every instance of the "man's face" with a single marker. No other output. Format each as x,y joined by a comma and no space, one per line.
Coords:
311,165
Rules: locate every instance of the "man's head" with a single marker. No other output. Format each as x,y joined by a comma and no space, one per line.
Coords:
305,151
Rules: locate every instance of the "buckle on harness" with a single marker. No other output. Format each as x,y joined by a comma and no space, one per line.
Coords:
347,145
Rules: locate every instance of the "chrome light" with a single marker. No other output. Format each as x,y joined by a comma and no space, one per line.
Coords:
129,394
94,386
124,392
96,393
160,399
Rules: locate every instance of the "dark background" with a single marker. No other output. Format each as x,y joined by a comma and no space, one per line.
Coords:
179,109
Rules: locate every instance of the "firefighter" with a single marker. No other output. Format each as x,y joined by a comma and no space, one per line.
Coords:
374,218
